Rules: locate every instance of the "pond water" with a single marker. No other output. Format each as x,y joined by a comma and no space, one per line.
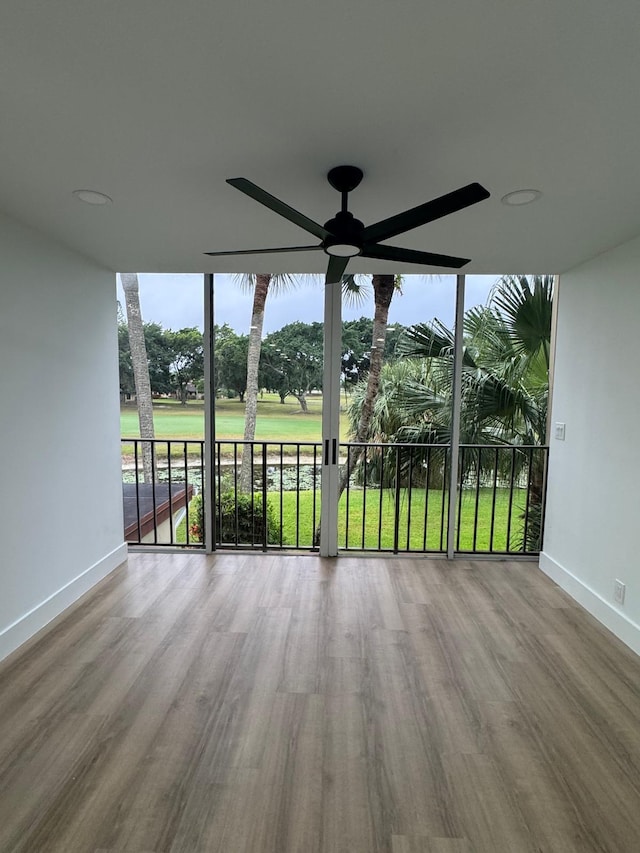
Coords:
293,477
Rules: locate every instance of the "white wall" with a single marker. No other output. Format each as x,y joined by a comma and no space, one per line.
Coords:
592,531
60,484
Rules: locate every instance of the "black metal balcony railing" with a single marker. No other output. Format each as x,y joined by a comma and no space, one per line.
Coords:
161,508
283,509
396,500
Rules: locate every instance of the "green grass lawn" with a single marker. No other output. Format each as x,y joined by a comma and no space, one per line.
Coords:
275,422
374,505
298,513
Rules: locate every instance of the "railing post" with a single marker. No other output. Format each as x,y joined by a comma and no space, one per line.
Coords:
135,454
186,494
455,413
153,491
265,537
209,479
396,518
185,456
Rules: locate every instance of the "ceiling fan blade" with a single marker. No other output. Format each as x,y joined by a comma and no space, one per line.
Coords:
336,268
411,256
266,251
424,213
273,203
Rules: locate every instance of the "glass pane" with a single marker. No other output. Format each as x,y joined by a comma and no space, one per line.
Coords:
269,338
397,394
160,323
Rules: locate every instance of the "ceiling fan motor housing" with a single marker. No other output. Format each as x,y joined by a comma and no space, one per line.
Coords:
344,230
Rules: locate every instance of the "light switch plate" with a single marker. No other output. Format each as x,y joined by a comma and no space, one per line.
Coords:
559,431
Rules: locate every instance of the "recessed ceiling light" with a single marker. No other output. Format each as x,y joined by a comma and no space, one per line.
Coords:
92,197
520,197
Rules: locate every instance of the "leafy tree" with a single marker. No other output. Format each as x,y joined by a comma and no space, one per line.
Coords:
357,339
159,357
292,361
231,362
127,384
356,349
187,359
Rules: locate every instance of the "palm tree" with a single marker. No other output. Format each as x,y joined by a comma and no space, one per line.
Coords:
505,379
384,286
505,369
262,284
140,366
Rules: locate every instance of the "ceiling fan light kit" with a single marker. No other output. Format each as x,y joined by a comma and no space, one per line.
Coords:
344,236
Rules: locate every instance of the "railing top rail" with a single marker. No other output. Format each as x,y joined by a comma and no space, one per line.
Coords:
270,442
200,441
379,444
506,446
390,444
174,440
444,445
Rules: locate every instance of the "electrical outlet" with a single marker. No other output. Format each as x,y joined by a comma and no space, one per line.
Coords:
618,591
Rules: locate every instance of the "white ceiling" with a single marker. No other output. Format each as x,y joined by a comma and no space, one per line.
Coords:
156,102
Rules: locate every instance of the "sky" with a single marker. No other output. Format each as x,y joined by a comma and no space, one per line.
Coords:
176,301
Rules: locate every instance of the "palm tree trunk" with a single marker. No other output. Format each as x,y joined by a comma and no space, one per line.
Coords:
140,366
260,292
383,289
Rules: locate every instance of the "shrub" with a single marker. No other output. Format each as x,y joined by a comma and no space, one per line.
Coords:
245,525
533,541
196,524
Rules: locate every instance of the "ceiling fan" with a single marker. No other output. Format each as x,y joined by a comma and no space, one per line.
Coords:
344,236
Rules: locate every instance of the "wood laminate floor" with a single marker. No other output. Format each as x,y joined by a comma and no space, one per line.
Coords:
271,704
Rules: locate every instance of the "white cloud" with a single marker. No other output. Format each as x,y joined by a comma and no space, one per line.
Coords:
176,301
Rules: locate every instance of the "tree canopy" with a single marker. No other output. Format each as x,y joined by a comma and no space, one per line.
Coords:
291,358
175,359
292,361
231,361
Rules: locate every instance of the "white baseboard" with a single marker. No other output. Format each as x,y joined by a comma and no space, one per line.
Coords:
26,626
604,611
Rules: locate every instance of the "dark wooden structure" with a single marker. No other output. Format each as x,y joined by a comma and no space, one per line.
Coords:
148,505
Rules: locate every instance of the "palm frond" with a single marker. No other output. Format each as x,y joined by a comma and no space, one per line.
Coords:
526,306
355,289
505,373
278,282
426,340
